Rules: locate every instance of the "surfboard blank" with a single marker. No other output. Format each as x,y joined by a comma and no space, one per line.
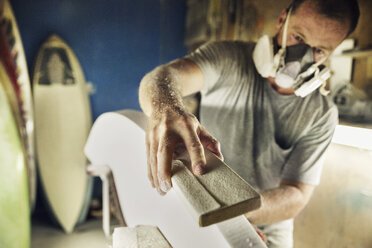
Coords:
63,120
118,141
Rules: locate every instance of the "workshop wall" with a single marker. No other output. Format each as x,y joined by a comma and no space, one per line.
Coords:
116,41
363,37
339,212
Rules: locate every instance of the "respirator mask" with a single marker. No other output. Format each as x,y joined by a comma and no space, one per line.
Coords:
292,66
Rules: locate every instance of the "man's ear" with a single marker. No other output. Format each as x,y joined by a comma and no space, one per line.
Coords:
280,21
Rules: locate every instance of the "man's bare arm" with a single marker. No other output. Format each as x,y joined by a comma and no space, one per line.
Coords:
169,124
167,84
281,203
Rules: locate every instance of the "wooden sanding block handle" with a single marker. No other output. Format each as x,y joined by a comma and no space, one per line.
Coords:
217,195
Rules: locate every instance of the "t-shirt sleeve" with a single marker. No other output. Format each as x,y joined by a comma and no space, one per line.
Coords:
212,59
306,159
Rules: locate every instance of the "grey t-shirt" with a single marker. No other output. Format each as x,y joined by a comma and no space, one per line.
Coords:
264,136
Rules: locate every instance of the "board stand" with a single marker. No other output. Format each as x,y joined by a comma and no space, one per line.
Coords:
109,195
108,191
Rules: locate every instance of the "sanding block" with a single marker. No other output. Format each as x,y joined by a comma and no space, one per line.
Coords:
217,195
139,237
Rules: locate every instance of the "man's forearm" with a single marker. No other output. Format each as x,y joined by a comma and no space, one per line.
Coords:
169,124
158,91
278,204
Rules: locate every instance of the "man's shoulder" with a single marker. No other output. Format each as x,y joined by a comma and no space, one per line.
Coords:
323,108
323,101
226,48
229,44
226,55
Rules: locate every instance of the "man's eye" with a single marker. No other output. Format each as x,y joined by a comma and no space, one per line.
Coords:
318,51
298,38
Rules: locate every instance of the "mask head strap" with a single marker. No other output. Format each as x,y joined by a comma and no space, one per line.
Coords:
284,38
279,55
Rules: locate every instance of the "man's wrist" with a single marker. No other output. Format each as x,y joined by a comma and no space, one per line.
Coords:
160,109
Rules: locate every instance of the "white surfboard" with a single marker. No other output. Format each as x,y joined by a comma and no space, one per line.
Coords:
62,121
117,140
23,81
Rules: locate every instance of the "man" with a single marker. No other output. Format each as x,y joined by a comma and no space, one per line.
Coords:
272,137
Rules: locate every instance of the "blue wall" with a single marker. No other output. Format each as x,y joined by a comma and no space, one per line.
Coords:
116,41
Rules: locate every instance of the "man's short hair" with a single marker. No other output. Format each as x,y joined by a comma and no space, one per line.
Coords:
339,10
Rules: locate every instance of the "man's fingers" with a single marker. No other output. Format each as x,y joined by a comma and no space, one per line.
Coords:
195,150
210,142
149,172
161,144
154,161
165,154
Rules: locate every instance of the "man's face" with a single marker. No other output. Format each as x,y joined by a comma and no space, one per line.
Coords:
306,26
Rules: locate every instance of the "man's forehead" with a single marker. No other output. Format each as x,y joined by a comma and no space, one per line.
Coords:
327,42
317,29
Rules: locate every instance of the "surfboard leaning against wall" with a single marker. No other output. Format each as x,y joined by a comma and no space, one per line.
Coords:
14,59
14,195
62,124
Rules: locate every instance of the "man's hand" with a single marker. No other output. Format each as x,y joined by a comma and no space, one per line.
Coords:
169,124
167,129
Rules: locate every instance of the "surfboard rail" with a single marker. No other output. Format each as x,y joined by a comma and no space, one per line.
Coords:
14,197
